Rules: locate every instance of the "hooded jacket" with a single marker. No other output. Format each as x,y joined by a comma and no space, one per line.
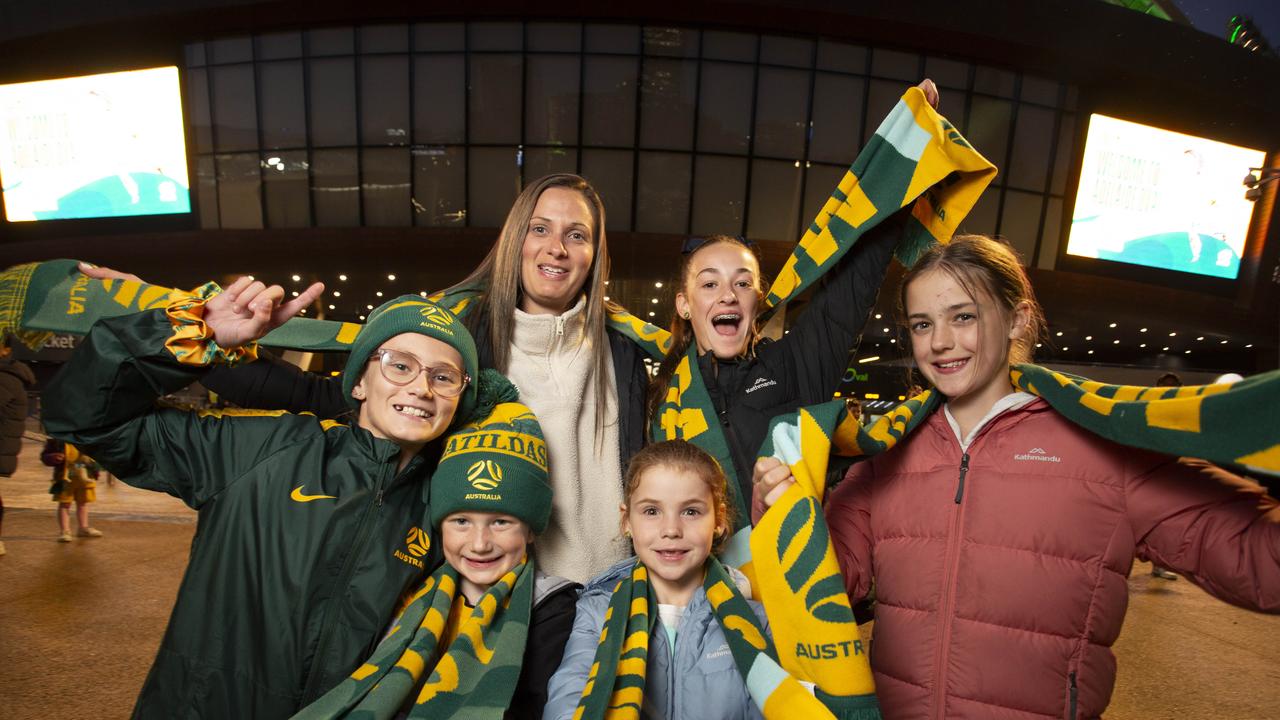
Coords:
15,378
698,681
1000,572
306,534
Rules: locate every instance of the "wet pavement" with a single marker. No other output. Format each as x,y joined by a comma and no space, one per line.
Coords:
80,622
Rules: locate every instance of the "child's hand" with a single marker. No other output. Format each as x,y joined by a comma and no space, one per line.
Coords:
772,478
248,309
106,273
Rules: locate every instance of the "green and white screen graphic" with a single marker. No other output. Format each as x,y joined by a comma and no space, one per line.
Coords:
108,145
1162,199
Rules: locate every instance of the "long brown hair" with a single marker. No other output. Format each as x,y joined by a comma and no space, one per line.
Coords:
499,275
984,265
684,455
682,330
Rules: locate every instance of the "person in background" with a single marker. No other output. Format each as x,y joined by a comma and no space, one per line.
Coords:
1166,380
74,480
15,378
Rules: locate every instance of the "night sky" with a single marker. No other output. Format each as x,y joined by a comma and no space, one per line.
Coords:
1211,16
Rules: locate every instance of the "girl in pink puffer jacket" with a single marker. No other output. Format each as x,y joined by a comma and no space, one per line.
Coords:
1000,534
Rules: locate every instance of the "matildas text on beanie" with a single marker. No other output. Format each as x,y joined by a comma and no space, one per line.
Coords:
496,464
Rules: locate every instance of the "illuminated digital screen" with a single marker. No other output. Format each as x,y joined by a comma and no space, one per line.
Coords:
108,145
1161,199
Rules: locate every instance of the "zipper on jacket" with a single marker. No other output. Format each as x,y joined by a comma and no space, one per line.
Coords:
964,470
1074,692
559,326
344,577
950,569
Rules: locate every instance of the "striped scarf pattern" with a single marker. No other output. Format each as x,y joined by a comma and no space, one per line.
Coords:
615,685
795,565
1218,422
474,678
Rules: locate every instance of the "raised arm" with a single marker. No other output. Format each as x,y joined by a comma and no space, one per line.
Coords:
103,399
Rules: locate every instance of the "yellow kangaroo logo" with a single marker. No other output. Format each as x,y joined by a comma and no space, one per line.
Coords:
484,475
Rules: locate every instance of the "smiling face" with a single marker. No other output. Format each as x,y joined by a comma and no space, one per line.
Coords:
408,415
555,259
719,298
672,519
960,342
482,547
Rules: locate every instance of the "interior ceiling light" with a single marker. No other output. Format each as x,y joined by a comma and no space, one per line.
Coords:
295,293
653,300
297,278
1088,337
652,313
379,293
1115,342
1224,342
391,278
343,278
1059,333
1112,325
1165,348
1090,352
332,307
1141,345
1173,334
337,293
877,316
1200,338
657,284
1142,330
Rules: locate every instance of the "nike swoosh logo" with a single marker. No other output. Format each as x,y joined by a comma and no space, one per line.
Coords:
297,496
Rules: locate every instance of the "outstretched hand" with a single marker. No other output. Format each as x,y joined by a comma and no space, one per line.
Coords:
248,309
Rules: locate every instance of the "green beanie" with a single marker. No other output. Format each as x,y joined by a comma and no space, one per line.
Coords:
497,464
412,314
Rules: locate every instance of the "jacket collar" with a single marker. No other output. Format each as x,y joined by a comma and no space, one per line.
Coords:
540,334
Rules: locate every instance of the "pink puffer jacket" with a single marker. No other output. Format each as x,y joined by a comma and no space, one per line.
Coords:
1001,587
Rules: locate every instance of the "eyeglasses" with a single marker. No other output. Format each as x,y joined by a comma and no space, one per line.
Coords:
400,368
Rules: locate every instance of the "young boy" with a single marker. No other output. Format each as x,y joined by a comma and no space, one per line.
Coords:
482,636
308,531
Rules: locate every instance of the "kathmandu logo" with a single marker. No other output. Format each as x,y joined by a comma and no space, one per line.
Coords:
418,543
484,474
761,383
1038,454
436,314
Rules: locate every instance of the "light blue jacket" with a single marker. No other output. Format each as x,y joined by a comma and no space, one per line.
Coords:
700,682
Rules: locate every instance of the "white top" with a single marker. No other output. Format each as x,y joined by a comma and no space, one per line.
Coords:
670,616
550,364
1008,402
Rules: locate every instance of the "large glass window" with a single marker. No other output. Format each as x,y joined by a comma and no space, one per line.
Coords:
437,124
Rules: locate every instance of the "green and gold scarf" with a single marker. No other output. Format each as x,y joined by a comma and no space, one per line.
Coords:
615,685
474,678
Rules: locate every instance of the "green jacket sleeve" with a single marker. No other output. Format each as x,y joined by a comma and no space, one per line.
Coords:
103,401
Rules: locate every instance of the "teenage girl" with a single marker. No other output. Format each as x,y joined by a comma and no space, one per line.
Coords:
1000,535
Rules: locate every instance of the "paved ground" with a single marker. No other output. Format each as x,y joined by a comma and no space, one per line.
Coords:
80,622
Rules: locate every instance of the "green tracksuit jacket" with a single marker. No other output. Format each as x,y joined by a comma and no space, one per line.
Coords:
307,535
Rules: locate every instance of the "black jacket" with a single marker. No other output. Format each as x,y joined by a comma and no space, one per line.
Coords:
805,366
271,383
15,378
555,602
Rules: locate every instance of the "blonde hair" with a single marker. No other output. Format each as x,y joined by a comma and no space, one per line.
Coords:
499,276
983,265
683,455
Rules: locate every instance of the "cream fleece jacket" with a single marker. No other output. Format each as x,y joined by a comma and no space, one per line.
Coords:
550,364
